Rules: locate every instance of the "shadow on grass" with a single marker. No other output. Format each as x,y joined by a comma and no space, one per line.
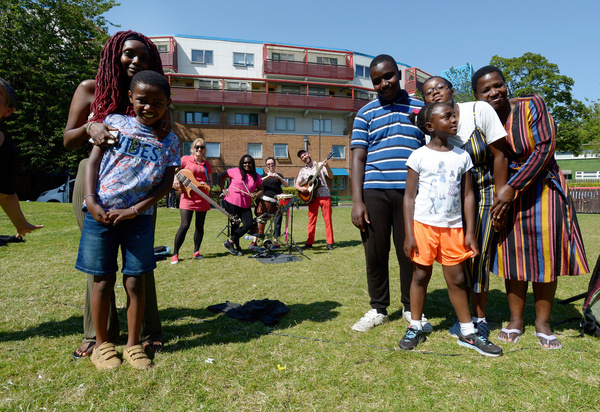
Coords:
185,328
437,305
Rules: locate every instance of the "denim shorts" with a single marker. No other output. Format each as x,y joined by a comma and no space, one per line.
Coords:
99,247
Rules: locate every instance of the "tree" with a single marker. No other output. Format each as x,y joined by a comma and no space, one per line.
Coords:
460,77
533,73
47,47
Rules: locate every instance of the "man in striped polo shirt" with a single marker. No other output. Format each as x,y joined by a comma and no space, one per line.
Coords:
382,139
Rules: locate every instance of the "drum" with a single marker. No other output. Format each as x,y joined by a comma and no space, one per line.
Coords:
266,207
284,198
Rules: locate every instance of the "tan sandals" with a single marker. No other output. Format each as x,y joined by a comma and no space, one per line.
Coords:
105,357
136,357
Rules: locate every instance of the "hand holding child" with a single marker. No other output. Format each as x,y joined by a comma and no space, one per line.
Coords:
100,134
471,243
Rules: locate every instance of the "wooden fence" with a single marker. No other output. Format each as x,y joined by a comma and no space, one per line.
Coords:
586,199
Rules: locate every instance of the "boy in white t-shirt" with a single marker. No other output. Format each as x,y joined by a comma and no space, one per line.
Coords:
434,224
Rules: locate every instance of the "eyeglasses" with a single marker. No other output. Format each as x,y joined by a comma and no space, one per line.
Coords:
200,147
439,88
270,164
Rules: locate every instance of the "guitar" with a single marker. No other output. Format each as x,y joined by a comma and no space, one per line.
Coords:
189,184
313,182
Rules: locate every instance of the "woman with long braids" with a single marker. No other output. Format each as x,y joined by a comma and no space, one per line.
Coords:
123,55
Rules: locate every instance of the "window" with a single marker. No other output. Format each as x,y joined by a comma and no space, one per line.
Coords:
339,183
316,91
246,119
327,60
325,125
186,147
285,124
339,151
209,84
212,149
280,151
283,57
362,95
202,56
162,47
237,86
255,150
197,118
362,71
243,59
286,88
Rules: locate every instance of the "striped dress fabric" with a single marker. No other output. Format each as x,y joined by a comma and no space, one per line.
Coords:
389,137
477,268
541,239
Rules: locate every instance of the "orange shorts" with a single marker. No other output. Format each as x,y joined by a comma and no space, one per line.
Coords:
443,244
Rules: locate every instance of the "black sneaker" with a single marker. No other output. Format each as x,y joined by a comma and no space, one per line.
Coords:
412,338
230,247
329,246
307,246
480,344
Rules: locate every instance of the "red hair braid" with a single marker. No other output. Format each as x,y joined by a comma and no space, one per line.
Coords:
111,81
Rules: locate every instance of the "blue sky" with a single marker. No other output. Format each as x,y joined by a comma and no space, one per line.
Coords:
433,37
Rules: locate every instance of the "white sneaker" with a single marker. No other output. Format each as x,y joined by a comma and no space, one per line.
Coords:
427,328
369,321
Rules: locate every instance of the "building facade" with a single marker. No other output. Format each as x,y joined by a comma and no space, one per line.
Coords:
268,99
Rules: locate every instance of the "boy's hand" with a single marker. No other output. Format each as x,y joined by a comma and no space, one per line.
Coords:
471,243
97,212
410,247
117,215
360,216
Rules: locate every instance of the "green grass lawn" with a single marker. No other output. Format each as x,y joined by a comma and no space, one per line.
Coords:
311,360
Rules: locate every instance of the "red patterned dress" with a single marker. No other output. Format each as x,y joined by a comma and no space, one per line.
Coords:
541,239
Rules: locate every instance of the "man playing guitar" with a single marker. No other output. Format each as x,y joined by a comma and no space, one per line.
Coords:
320,199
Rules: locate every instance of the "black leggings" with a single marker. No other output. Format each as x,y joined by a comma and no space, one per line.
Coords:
186,221
245,216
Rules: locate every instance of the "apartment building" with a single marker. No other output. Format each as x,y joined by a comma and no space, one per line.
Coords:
269,99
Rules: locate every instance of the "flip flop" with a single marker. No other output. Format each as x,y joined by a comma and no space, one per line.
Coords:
547,338
152,346
87,352
510,332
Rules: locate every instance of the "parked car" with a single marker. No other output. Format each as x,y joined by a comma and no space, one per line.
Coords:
62,194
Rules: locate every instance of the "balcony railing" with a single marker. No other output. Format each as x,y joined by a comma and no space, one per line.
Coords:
260,99
293,68
169,60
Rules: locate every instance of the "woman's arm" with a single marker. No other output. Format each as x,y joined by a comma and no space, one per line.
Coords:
77,131
532,120
503,193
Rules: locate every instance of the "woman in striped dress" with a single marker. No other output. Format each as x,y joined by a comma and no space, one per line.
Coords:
478,127
540,239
